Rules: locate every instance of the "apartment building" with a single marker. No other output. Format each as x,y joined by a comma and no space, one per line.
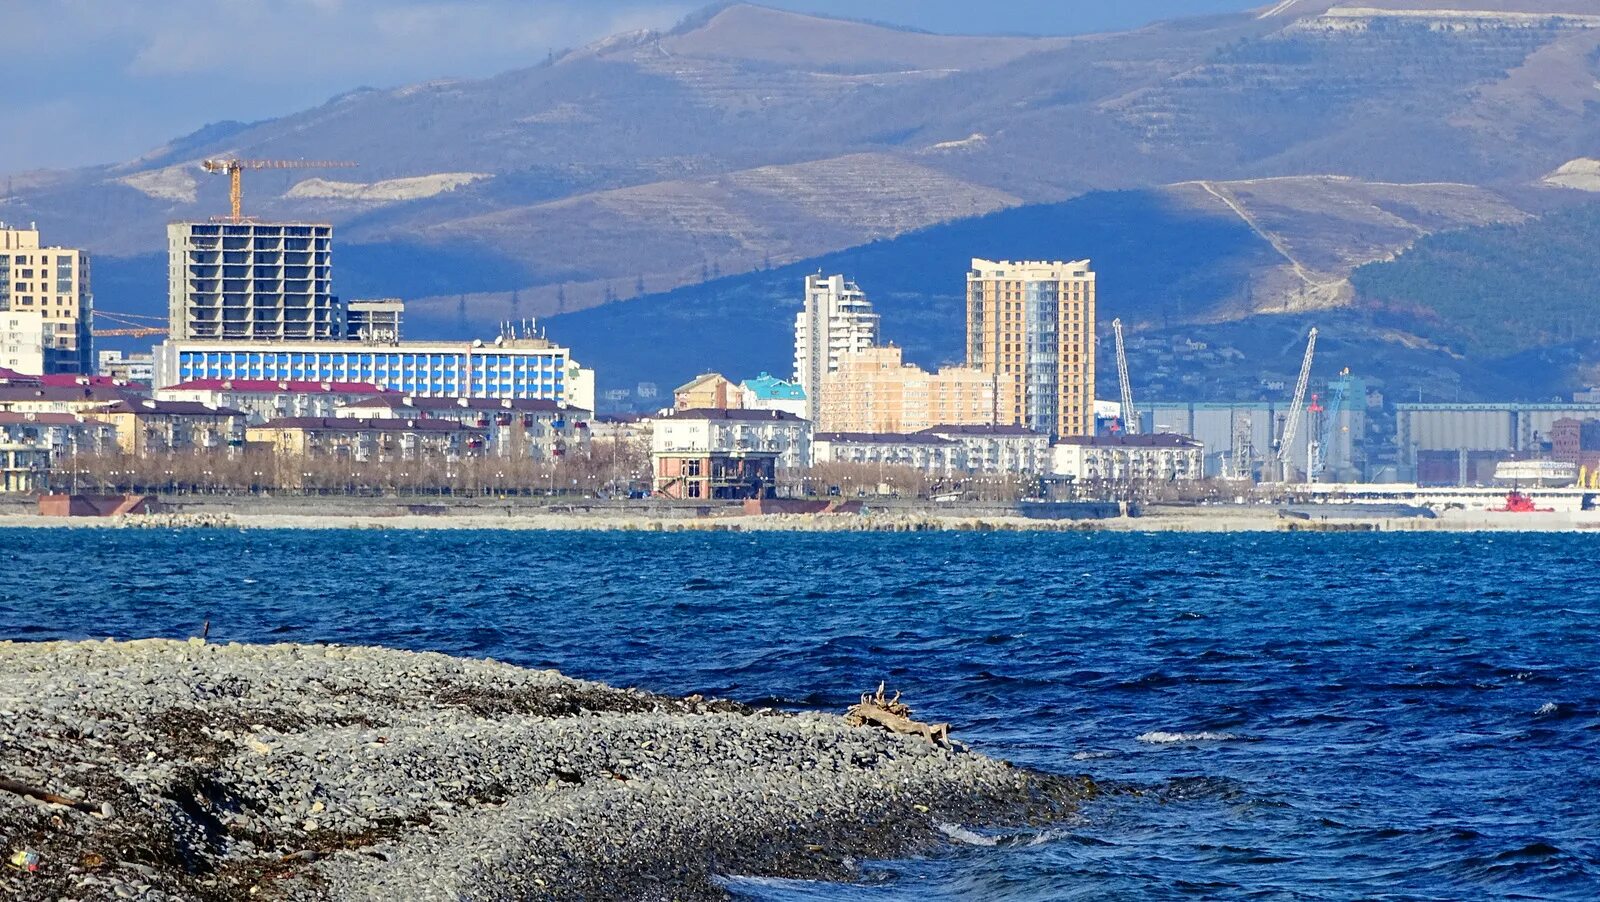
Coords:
252,281
998,449
46,309
126,367
929,454
514,368
32,444
1031,325
149,426
768,392
1576,442
835,319
515,427
624,435
374,320
1115,458
380,439
708,391
875,391
37,397
707,454
263,399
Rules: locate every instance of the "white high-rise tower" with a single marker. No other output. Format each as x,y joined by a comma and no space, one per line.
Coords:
837,320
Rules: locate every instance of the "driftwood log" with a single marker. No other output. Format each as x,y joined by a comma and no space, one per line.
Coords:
44,795
894,715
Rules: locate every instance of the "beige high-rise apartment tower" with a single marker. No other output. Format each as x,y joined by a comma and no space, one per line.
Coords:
1032,325
46,310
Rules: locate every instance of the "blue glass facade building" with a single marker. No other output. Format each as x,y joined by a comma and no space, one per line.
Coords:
423,369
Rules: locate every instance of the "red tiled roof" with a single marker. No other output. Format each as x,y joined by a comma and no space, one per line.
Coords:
68,380
14,376
398,401
279,385
355,424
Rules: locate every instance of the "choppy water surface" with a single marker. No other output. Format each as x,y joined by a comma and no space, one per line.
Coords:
1403,716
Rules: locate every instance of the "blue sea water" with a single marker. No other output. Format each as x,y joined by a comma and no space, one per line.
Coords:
1305,716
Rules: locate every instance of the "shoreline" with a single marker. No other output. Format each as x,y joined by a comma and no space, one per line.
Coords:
335,514
201,771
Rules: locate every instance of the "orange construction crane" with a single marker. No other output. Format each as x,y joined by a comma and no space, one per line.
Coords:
129,325
233,168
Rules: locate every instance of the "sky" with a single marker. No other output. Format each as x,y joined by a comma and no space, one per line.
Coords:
96,81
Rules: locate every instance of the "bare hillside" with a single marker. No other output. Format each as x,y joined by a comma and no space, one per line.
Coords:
750,137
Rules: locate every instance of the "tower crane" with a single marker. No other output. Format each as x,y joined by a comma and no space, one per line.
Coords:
1130,417
1291,426
130,325
233,168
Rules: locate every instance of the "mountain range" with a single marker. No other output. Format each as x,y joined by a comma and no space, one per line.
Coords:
1218,169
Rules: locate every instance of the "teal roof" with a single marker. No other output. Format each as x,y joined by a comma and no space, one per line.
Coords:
768,387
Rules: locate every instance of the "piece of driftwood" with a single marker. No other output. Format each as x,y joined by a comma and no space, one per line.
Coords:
23,789
894,715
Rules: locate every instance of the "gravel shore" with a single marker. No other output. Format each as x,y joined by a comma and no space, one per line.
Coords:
214,772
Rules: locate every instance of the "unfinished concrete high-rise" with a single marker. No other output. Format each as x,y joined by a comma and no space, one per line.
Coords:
375,320
836,320
252,281
1032,325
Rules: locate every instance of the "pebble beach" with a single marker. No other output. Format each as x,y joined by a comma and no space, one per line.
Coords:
162,769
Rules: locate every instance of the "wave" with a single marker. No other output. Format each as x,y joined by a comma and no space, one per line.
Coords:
1161,737
1024,838
967,837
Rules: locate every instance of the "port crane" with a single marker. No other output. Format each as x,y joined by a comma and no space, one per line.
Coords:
1242,464
234,168
1291,426
1130,416
1317,460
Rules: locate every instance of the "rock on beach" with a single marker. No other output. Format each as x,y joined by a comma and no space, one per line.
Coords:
217,772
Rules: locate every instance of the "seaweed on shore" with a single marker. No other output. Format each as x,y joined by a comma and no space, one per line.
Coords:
299,772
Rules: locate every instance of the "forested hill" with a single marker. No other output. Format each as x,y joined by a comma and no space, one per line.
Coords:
1499,289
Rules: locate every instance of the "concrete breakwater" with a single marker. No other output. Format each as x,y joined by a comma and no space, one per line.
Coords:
184,770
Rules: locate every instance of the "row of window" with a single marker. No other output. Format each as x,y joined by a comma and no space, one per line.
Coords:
379,376
65,262
479,363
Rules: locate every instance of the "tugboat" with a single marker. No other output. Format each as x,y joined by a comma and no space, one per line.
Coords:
1518,503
